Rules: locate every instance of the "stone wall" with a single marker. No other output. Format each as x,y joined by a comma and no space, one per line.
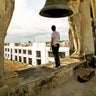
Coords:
41,79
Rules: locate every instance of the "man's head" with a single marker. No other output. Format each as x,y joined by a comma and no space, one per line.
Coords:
53,27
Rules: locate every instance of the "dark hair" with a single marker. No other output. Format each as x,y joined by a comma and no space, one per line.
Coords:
53,27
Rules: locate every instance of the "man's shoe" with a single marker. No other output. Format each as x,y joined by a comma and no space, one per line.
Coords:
57,66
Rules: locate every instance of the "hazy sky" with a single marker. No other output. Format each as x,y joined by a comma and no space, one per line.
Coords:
28,25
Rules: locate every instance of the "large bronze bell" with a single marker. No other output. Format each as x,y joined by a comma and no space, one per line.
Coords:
56,8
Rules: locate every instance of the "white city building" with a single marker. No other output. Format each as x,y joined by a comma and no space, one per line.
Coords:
32,54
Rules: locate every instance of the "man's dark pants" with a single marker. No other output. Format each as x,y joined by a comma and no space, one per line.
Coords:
55,49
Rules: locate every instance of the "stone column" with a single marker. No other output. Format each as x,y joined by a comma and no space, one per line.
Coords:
94,38
2,33
1,59
93,5
6,11
86,29
75,27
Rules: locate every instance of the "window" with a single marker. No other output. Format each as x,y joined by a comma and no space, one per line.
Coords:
38,53
24,58
24,51
20,59
5,55
29,52
8,49
11,57
19,50
38,61
30,61
5,49
15,58
15,50
50,54
62,54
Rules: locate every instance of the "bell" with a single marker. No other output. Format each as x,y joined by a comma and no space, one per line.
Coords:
56,8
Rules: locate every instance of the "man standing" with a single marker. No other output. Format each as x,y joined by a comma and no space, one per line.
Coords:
55,38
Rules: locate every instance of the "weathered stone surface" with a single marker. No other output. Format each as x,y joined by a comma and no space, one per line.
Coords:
80,25
75,25
35,85
10,77
43,78
6,11
4,91
88,42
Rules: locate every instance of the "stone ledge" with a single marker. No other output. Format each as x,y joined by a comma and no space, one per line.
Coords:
43,77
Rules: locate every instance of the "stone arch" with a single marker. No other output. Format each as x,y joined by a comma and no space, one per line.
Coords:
6,11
